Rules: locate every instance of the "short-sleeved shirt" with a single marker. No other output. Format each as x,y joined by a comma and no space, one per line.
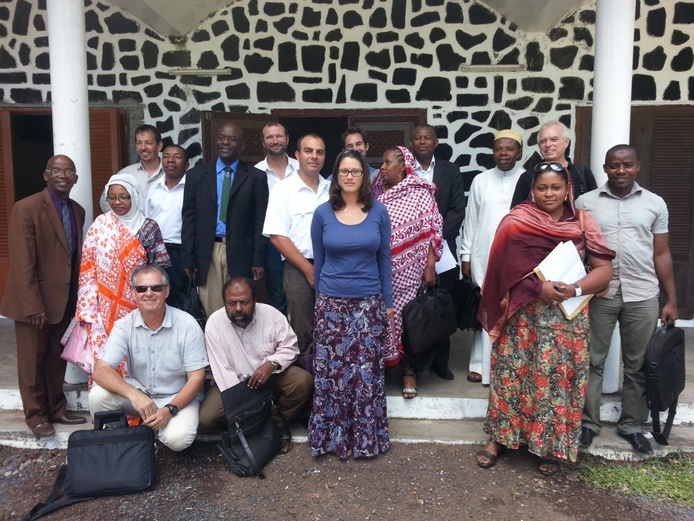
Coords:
629,224
161,359
290,211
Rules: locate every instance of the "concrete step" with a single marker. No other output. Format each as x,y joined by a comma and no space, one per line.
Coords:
15,433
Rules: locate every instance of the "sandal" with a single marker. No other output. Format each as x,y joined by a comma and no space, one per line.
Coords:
490,457
409,392
474,377
548,466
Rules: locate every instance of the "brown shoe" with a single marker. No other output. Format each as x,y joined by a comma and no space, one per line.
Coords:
43,429
70,419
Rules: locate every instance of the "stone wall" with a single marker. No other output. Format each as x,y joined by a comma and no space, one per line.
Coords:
353,54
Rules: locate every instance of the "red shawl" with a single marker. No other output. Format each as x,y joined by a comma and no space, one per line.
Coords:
524,238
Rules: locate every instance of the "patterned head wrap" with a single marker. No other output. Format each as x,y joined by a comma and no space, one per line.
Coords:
407,156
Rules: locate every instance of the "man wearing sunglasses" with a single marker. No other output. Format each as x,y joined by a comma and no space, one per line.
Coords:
553,141
165,351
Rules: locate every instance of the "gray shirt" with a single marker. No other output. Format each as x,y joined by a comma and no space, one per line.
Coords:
161,359
629,224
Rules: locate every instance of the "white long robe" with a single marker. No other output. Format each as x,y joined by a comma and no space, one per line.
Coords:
488,202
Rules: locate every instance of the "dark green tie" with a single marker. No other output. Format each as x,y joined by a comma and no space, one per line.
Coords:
226,186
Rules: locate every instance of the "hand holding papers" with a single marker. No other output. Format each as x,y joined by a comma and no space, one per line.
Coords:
564,264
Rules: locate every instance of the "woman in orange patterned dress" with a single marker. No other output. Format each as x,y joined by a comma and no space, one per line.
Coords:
117,242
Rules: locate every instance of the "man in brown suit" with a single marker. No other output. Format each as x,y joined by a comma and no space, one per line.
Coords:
45,244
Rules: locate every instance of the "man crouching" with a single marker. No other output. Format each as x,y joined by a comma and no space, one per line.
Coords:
249,341
164,348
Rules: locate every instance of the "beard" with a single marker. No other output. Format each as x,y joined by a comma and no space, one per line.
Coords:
240,319
277,152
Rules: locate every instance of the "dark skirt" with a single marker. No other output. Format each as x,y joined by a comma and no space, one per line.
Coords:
349,402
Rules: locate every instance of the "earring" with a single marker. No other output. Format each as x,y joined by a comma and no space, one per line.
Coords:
532,198
566,197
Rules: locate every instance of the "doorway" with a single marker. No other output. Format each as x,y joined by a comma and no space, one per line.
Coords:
329,128
32,146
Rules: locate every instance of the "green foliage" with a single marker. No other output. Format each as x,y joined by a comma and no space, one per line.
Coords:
668,478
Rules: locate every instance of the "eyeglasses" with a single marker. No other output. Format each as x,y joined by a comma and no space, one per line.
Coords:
356,172
543,167
55,172
121,198
157,288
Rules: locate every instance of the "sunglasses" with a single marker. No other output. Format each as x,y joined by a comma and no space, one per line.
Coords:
157,288
543,167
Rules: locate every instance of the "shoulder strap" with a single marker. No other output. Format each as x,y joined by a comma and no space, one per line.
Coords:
582,187
52,502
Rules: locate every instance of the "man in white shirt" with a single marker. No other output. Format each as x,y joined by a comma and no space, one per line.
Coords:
277,165
248,341
488,202
164,204
148,169
288,225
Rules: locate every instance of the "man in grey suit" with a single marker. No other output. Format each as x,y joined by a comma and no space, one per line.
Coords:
224,205
45,244
450,198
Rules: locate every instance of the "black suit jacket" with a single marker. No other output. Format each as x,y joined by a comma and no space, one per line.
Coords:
450,198
580,186
246,246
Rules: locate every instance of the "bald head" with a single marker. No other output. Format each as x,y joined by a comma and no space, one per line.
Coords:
60,175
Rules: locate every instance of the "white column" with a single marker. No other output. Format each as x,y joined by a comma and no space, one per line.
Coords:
614,48
67,42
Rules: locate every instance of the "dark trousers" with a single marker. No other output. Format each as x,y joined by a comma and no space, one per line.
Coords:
41,371
177,277
301,302
274,275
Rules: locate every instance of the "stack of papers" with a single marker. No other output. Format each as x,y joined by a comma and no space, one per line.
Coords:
564,264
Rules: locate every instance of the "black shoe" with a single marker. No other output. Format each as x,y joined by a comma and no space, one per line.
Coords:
442,372
587,436
639,442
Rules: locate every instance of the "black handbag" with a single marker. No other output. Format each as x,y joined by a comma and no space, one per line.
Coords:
665,377
466,297
428,319
102,462
252,438
192,304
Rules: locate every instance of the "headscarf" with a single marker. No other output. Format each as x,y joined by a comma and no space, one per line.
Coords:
525,236
410,165
135,218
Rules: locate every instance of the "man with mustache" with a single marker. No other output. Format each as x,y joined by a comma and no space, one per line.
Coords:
278,166
248,341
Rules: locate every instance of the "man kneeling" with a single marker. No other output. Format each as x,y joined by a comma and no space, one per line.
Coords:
249,341
164,348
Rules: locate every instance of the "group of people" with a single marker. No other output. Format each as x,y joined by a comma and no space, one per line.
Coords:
340,258
545,370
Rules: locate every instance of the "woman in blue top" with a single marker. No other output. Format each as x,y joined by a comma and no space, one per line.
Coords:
351,246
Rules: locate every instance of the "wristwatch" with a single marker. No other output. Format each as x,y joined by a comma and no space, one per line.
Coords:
275,365
579,291
172,409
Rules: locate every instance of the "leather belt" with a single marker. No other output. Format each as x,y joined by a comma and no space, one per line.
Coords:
223,240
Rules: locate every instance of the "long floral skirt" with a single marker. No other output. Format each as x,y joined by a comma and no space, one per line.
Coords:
539,379
349,401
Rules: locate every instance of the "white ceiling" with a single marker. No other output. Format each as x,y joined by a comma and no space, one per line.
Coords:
179,17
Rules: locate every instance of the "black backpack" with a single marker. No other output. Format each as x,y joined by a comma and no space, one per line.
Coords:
665,376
